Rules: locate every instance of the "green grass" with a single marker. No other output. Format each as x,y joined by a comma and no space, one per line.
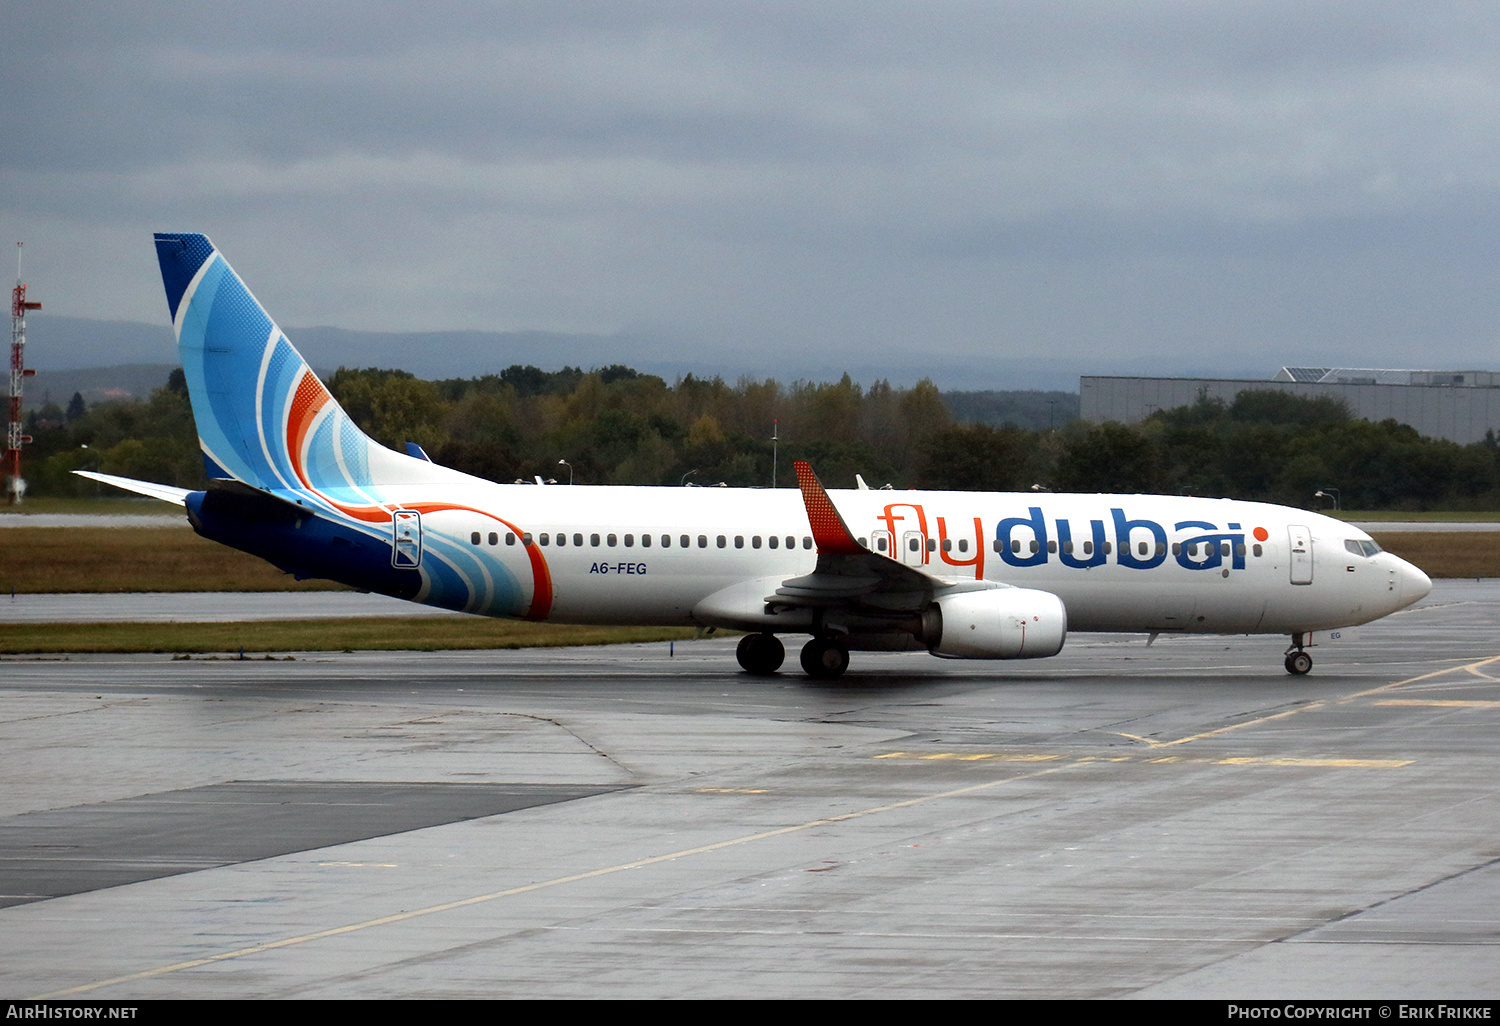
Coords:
52,560
386,634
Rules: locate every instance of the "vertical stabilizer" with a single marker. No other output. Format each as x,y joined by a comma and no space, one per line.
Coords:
263,416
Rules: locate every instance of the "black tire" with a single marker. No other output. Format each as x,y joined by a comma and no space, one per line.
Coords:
760,654
1298,663
824,658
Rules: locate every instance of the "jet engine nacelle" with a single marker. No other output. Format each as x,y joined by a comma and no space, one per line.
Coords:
1004,623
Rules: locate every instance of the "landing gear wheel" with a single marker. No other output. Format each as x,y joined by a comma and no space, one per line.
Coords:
760,654
824,658
1298,663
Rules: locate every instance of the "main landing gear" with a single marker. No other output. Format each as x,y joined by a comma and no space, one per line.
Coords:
1298,662
825,658
763,654
760,654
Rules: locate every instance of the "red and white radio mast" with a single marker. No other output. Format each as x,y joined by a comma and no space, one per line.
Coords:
10,466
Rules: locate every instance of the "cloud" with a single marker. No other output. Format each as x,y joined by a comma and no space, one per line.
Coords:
1308,180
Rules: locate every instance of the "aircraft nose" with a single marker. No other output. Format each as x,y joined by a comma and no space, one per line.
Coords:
1415,585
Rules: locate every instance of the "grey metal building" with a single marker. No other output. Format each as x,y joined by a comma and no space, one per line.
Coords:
1457,405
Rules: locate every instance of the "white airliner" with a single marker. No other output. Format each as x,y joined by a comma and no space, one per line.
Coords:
968,575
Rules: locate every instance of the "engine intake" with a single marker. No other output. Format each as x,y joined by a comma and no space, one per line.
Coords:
1004,623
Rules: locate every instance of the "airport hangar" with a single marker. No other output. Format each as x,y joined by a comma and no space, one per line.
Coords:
1459,406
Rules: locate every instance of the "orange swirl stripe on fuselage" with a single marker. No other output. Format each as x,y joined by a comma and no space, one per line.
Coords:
307,402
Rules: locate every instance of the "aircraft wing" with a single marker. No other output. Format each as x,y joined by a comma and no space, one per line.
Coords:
848,573
166,493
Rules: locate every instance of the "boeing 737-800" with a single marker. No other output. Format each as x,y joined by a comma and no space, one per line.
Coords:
959,574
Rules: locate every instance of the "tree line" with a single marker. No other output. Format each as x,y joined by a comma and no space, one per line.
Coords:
617,426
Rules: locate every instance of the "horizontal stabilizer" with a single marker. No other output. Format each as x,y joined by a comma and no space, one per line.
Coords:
166,493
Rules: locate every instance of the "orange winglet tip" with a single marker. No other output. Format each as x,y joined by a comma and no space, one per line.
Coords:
829,530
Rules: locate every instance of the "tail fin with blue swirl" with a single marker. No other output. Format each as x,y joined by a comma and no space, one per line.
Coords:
263,416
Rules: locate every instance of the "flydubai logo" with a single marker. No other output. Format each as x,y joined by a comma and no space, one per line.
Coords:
1035,540
1139,544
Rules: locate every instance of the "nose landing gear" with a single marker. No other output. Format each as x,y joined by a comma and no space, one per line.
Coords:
1298,662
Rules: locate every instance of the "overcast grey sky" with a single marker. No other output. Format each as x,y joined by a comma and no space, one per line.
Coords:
1181,185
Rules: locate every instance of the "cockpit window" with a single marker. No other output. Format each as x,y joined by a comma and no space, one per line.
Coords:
1361,547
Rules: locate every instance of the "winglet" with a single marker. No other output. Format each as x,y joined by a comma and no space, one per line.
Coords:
829,530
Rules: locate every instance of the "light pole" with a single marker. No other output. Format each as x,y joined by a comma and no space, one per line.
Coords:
775,441
1329,492
565,463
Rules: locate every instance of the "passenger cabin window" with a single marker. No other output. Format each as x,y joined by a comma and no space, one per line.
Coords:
610,540
739,541
807,541
510,537
773,541
474,538
525,537
791,542
722,541
755,541
542,538
594,540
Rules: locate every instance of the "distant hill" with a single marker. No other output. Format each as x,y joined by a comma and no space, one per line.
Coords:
122,359
96,384
71,343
